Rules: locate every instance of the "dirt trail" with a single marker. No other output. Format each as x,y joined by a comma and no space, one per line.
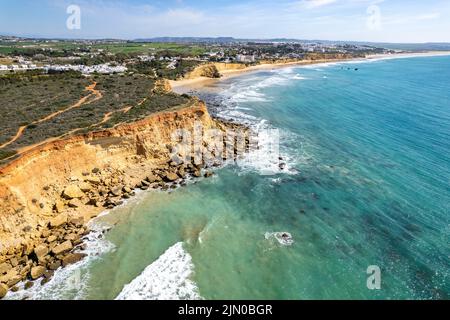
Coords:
106,117
94,92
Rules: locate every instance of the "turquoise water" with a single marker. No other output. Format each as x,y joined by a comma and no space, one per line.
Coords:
367,183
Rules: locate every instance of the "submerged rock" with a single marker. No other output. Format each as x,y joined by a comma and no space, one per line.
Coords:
284,238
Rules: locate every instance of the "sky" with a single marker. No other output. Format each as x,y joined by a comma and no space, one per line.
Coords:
351,20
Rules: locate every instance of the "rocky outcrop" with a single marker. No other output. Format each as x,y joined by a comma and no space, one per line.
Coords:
162,86
208,70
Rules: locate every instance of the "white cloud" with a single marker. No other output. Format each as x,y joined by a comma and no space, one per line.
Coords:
311,4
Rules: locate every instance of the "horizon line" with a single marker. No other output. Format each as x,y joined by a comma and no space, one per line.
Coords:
210,37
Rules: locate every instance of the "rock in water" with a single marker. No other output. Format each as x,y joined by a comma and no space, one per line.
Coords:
72,258
284,238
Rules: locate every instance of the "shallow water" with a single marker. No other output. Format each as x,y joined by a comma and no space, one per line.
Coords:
366,183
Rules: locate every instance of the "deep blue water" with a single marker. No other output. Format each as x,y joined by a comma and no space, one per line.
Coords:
372,151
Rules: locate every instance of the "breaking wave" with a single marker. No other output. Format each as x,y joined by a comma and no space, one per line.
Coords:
168,278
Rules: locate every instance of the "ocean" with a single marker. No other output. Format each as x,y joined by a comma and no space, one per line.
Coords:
366,182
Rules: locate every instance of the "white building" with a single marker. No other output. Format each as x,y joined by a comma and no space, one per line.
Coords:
100,68
245,58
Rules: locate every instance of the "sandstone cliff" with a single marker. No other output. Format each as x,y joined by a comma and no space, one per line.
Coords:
213,70
31,186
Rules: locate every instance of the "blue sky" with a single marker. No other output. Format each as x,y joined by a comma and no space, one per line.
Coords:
363,20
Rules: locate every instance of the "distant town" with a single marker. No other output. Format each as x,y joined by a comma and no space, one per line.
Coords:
163,57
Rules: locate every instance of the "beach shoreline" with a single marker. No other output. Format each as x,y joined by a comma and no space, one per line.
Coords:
187,85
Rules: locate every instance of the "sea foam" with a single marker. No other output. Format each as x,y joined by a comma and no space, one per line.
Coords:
168,278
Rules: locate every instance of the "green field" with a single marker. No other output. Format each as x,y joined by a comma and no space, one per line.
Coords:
7,48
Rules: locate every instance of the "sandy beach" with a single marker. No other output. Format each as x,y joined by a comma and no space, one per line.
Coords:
187,85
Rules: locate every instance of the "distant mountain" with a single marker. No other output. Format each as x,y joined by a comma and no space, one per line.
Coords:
398,46
432,46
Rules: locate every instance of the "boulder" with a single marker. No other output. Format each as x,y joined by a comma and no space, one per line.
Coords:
41,251
182,172
95,170
93,180
117,191
14,262
4,268
54,266
85,187
197,174
72,192
171,177
63,247
59,206
37,272
152,178
10,276
75,203
58,221
77,222
208,174
28,285
3,290
72,237
51,239
72,258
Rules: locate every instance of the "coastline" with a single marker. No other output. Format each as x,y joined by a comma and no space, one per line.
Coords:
81,178
186,85
233,73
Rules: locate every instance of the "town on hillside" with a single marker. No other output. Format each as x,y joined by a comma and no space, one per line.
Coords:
167,58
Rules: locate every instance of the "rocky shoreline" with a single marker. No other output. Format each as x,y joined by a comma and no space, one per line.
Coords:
60,241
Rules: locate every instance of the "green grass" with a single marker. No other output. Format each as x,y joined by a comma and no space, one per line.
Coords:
115,48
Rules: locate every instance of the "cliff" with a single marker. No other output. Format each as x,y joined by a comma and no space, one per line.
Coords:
31,186
213,70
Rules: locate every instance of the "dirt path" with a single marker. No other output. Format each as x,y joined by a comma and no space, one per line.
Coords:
94,92
106,117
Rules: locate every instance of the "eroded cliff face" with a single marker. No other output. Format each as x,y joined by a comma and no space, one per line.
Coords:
32,186
213,70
